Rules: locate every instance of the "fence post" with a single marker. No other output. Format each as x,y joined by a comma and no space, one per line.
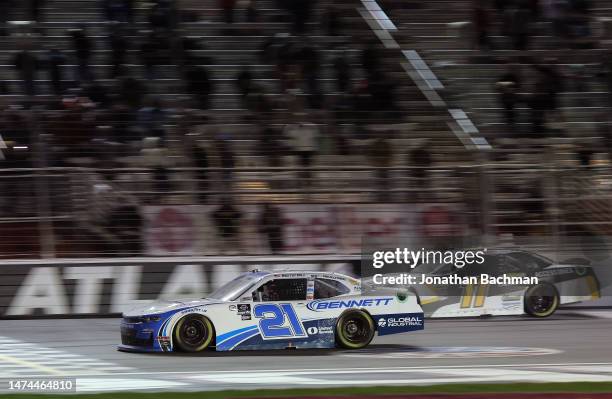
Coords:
486,190
43,199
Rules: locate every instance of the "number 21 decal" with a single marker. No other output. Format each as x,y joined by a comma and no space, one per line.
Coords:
278,321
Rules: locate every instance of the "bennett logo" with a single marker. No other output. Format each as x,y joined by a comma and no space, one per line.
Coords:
351,303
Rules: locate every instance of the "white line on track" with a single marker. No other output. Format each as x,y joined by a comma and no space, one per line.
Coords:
412,376
362,369
26,358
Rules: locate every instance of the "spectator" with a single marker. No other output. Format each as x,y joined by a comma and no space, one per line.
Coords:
535,7
501,5
103,201
342,70
228,10
119,47
155,157
381,156
191,57
271,225
382,99
545,98
15,130
126,225
556,12
303,138
114,10
421,160
244,81
120,122
270,147
605,132
55,60
83,47
251,12
129,10
578,81
579,23
534,207
333,21
521,25
226,159
310,60
35,8
227,220
508,86
370,59
5,6
162,16
27,64
132,92
199,85
300,10
148,53
606,75
151,120
585,155
97,94
481,24
201,160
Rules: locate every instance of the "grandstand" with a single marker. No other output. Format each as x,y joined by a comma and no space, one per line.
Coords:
203,112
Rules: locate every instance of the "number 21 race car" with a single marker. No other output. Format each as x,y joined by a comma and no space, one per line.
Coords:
272,310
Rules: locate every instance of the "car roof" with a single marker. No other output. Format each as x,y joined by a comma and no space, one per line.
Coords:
302,273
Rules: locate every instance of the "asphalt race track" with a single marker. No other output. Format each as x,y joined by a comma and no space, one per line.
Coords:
571,346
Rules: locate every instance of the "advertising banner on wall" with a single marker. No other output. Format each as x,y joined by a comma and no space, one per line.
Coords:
101,287
306,228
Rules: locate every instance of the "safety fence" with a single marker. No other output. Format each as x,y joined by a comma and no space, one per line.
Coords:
85,212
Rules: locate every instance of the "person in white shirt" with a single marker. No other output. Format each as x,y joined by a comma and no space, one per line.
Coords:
302,138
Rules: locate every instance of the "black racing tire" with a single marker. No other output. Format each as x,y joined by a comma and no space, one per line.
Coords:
193,333
541,300
354,330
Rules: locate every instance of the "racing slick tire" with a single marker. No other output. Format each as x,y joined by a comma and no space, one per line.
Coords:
193,333
354,329
541,300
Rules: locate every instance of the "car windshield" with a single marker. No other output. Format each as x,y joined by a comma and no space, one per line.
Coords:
235,287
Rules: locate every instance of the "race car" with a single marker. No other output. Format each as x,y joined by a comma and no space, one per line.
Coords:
271,310
558,284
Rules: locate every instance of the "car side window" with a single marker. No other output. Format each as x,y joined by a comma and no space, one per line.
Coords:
528,262
328,288
284,289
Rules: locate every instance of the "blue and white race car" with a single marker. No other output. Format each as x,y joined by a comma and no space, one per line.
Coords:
272,310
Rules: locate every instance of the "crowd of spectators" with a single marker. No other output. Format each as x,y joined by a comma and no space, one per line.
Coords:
71,112
568,22
121,106
548,39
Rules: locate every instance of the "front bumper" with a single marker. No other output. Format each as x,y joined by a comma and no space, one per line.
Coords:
138,349
142,337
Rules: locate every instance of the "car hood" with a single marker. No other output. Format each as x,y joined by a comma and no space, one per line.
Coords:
163,306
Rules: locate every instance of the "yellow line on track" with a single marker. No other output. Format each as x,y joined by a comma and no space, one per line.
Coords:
32,365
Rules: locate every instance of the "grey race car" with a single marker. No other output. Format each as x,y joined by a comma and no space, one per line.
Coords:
558,284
